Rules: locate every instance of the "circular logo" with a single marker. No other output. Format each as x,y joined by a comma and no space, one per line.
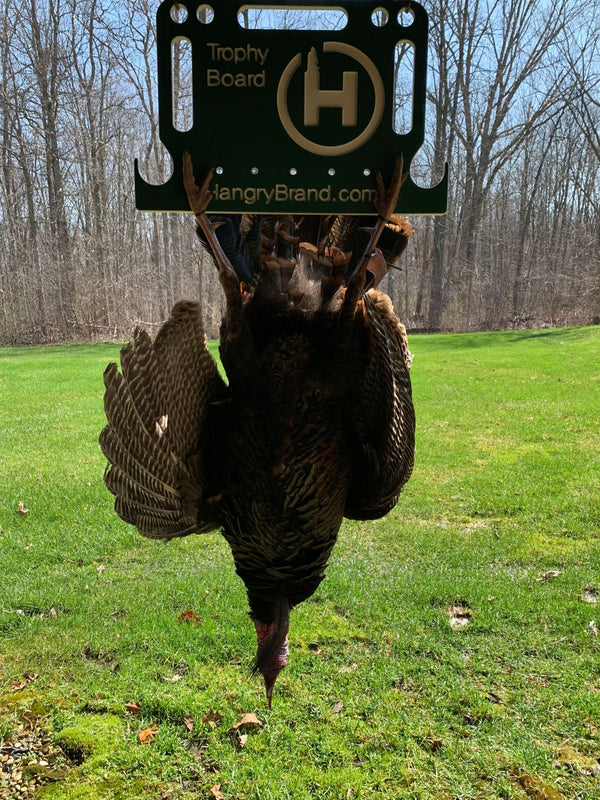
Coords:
345,98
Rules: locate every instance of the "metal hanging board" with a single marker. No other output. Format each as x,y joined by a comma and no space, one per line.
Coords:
291,121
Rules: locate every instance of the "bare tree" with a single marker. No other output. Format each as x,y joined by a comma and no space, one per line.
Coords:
513,105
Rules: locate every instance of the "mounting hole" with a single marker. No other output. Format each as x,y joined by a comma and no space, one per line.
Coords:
406,17
293,171
205,14
380,17
178,13
366,172
254,170
219,170
331,171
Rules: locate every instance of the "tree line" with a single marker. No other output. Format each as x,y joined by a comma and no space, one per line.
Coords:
513,106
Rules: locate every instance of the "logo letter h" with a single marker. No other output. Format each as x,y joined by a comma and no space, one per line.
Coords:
315,98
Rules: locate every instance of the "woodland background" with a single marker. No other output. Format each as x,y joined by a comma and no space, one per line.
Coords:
514,106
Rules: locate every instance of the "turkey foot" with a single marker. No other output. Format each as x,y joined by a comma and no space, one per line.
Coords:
387,197
199,197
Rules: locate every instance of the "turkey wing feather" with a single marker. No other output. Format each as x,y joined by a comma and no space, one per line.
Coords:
382,416
156,432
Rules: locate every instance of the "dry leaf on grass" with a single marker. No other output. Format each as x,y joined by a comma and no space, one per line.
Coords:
460,616
248,721
590,595
431,742
147,735
592,628
213,718
190,617
189,723
21,510
239,732
100,569
216,792
133,708
338,707
171,678
28,678
239,739
548,576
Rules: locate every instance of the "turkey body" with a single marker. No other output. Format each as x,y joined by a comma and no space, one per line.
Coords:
314,424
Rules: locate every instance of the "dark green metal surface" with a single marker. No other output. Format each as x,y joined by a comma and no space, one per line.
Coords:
296,121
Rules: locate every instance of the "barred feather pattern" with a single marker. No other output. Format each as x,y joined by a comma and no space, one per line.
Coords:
315,424
156,409
383,415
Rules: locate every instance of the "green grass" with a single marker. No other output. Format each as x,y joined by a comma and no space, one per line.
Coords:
506,488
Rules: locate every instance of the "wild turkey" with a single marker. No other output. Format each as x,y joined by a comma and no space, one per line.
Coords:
315,424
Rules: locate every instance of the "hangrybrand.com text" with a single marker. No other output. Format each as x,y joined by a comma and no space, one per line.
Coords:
282,193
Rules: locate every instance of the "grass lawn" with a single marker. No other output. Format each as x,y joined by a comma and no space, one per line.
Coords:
451,652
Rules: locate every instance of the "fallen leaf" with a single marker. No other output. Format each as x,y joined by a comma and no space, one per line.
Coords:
216,792
338,707
147,735
213,718
28,678
592,628
314,646
432,743
189,723
247,721
349,668
547,576
239,732
133,708
590,595
100,569
460,616
171,678
239,739
21,510
29,546
190,617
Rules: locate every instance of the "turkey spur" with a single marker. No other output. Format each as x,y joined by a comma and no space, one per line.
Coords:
315,424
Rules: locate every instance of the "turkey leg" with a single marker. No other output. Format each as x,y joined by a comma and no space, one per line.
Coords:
199,197
385,205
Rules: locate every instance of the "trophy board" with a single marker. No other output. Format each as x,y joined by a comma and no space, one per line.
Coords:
291,121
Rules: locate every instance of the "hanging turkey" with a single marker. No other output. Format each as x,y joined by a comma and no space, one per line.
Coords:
315,424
